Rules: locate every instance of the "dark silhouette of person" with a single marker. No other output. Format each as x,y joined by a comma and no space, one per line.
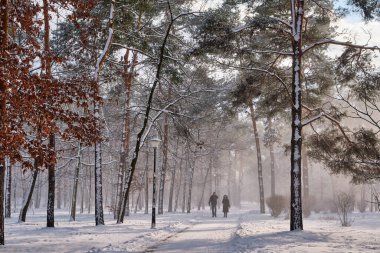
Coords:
226,205
212,202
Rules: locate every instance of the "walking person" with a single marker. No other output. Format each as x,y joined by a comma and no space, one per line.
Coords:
213,202
226,205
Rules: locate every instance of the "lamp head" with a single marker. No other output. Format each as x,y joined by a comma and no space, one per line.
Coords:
154,142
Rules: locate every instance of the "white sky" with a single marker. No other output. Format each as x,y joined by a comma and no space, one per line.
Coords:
358,32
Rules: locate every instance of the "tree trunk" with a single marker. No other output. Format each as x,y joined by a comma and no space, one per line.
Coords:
51,195
190,184
179,186
82,187
172,181
186,179
3,46
147,183
296,141
129,75
75,185
59,193
132,166
171,190
201,201
240,183
371,207
37,199
99,220
2,175
28,197
137,201
163,167
229,174
89,201
164,161
15,193
124,149
46,64
8,189
272,171
65,193
126,208
272,164
259,162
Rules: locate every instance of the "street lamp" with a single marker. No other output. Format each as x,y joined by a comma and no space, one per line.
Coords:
154,143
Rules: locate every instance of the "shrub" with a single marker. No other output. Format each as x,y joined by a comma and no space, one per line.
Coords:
345,203
277,204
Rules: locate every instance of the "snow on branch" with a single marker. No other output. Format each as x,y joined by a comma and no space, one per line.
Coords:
135,50
260,22
308,121
106,48
341,43
268,52
264,71
165,109
334,121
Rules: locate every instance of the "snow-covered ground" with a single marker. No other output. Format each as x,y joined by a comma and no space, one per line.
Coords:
242,231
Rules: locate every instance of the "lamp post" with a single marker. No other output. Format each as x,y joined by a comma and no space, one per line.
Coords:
154,143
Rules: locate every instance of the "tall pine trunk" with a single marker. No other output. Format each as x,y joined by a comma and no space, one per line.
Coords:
3,46
272,171
163,167
129,76
259,162
191,176
75,185
99,217
181,175
15,187
185,180
8,190
99,220
272,164
124,149
47,69
37,199
164,161
139,139
240,181
89,191
82,192
172,180
297,10
51,196
2,175
146,190
201,201
59,193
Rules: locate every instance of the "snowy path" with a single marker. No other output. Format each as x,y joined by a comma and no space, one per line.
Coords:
206,235
244,231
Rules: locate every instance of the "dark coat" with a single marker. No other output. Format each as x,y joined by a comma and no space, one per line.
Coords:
213,200
226,205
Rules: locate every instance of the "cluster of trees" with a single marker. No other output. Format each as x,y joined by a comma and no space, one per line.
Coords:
84,85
